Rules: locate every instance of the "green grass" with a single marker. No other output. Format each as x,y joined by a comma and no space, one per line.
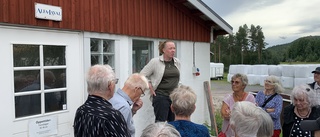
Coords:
219,121
224,80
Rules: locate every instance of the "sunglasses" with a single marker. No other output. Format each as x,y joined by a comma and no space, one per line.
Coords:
235,82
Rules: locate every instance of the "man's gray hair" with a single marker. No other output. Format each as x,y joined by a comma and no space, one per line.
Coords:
304,89
160,129
183,101
245,119
137,80
99,77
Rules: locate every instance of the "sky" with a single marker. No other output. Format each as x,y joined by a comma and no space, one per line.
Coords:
282,21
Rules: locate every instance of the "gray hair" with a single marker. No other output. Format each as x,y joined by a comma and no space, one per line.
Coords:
160,129
266,128
304,89
137,80
245,118
99,77
183,100
243,77
276,82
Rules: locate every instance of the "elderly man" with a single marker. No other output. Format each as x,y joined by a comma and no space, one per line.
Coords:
316,84
128,96
96,117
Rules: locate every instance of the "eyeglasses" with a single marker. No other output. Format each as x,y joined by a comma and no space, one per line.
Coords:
235,82
142,93
115,80
268,81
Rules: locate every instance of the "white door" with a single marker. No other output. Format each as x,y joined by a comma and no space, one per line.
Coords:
42,80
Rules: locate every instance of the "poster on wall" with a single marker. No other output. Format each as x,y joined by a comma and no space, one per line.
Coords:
44,126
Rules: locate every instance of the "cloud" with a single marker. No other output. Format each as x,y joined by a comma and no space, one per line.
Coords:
278,18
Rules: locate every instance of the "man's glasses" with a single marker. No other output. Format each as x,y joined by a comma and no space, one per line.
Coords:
115,80
142,93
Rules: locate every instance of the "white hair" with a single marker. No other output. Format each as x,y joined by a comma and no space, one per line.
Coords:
245,119
160,129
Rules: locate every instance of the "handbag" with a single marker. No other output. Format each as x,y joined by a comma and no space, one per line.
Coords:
223,134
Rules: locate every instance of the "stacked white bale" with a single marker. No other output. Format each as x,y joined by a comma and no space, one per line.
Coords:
300,81
253,79
287,82
287,70
301,71
300,74
260,69
287,77
249,69
275,70
310,80
311,68
232,69
243,69
262,78
229,77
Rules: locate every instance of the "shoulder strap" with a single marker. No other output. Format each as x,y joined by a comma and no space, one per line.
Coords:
266,101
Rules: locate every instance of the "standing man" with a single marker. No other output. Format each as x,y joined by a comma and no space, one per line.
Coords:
96,117
127,100
316,84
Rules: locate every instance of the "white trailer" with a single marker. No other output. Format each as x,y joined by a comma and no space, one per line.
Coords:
216,70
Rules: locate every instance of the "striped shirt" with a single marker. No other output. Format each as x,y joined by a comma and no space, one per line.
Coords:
97,118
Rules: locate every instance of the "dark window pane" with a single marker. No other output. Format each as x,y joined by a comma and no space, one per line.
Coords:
49,79
25,55
55,101
26,80
54,55
141,54
27,105
94,59
60,78
54,78
108,59
94,45
107,46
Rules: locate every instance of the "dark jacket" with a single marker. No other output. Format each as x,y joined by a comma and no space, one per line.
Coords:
312,85
288,118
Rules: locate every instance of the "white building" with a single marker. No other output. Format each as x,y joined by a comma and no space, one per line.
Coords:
47,48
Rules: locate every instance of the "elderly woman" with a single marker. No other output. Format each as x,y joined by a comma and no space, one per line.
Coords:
304,107
160,129
238,83
183,105
270,101
248,120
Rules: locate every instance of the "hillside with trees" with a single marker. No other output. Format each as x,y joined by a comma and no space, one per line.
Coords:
248,46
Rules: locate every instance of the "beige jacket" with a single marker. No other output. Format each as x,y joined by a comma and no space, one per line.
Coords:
155,68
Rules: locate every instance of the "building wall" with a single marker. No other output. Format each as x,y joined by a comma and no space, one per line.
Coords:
145,18
145,115
16,35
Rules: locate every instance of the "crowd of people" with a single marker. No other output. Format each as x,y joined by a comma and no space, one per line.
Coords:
107,112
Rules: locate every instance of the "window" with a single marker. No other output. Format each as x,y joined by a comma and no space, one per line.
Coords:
39,79
141,54
102,51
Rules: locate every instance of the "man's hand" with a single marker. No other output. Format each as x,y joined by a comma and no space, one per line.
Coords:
136,106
